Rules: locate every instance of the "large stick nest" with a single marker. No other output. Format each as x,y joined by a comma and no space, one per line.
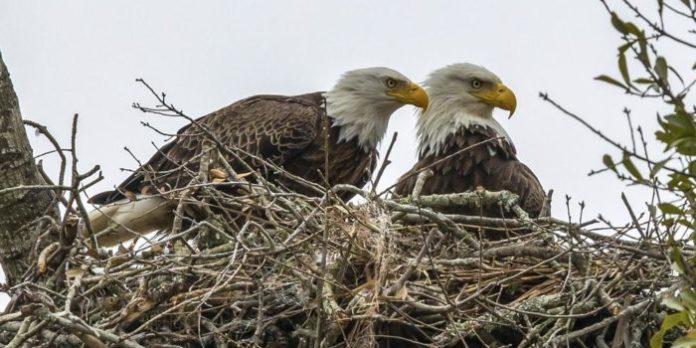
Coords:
274,268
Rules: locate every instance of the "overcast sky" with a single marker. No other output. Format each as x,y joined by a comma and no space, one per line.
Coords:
82,57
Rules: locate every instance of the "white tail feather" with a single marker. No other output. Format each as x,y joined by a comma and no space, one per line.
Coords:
125,219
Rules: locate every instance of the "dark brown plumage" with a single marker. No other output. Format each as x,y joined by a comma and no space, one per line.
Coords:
494,166
280,137
285,130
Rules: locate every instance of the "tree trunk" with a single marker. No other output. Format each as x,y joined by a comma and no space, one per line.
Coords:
18,208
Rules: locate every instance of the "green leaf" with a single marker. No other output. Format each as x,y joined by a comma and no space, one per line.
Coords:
633,29
624,68
625,27
631,168
679,132
684,119
686,146
623,48
609,162
668,323
669,208
643,81
661,68
643,51
618,24
610,80
681,125
680,182
692,167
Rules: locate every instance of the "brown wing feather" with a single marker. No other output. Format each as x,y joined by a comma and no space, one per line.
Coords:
276,128
349,163
493,166
515,176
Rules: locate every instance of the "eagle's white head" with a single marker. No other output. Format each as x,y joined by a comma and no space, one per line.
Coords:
362,101
461,95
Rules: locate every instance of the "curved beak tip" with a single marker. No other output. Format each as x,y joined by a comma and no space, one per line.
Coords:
506,99
512,110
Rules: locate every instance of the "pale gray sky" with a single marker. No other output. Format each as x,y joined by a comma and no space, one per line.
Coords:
83,56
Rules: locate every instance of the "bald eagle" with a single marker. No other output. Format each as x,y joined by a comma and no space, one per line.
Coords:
460,114
285,130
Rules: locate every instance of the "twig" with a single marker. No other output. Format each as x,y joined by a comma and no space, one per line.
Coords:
385,163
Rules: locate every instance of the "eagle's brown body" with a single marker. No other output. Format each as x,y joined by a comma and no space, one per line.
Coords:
285,130
493,165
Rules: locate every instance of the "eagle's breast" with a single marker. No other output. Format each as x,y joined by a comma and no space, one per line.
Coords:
465,162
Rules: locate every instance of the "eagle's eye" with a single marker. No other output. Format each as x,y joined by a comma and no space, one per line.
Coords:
476,83
390,82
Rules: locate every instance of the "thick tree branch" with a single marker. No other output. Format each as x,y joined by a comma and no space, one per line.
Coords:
18,208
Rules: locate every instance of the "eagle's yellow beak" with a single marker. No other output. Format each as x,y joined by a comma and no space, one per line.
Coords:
411,94
499,96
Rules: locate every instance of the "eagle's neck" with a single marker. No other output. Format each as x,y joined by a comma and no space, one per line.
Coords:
446,117
359,117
